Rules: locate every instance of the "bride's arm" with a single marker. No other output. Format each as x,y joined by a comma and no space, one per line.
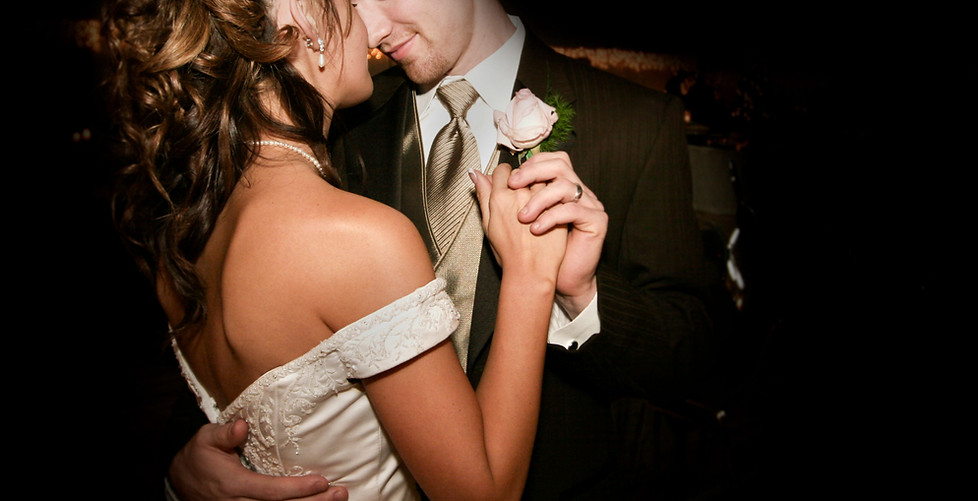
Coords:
465,444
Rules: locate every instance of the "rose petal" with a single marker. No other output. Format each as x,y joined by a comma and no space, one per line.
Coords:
526,122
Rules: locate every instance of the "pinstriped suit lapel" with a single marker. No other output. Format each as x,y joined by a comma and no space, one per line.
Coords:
390,153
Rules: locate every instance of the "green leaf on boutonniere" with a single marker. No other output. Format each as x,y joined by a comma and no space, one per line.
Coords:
564,126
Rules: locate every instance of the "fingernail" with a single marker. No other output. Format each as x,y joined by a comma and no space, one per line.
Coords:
472,174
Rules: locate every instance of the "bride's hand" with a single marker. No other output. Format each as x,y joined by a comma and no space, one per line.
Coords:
515,247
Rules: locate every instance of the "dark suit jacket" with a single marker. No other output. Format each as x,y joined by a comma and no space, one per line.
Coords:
629,148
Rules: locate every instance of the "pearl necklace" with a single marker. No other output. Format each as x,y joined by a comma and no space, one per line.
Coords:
310,158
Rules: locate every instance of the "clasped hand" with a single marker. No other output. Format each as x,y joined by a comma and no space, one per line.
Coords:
516,248
558,198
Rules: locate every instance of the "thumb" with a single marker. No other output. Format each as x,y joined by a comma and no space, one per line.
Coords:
483,186
230,435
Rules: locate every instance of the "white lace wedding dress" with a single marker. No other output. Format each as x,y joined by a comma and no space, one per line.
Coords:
311,415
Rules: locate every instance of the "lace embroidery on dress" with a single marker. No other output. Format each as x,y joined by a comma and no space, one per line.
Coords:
380,341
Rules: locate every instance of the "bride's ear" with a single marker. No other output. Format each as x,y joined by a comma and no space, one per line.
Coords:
302,15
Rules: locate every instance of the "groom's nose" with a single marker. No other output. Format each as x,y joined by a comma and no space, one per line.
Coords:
377,23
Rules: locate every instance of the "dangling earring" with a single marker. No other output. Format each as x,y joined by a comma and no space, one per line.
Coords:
322,53
322,50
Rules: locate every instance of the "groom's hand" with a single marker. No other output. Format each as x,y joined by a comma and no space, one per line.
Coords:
565,200
208,468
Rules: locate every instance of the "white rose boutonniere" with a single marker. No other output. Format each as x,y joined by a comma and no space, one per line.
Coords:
526,122
531,125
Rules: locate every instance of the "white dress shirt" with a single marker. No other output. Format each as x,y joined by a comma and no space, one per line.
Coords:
493,79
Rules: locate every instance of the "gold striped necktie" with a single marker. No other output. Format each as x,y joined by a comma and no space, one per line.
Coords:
448,189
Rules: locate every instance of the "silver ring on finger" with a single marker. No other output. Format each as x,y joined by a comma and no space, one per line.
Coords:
578,193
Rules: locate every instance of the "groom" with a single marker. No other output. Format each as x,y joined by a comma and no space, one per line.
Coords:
631,326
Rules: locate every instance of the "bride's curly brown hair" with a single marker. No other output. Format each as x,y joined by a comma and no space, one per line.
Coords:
185,83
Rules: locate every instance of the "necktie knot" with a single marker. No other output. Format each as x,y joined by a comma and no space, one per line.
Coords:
457,97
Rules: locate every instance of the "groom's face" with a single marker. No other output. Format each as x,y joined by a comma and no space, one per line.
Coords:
426,37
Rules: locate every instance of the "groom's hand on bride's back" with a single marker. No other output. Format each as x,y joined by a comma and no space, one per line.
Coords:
208,468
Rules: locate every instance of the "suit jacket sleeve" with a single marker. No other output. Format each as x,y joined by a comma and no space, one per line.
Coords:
653,300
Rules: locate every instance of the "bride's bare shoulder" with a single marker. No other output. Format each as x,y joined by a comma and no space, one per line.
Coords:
316,216
369,229
329,243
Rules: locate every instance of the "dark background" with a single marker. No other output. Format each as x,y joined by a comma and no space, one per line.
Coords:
860,125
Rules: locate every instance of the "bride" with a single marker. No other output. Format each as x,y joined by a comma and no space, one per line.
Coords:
311,313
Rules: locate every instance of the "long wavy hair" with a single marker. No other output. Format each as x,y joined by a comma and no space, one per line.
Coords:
185,83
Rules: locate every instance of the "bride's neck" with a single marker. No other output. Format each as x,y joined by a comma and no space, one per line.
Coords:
273,104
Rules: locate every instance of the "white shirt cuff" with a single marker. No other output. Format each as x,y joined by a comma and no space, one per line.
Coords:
171,495
571,334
